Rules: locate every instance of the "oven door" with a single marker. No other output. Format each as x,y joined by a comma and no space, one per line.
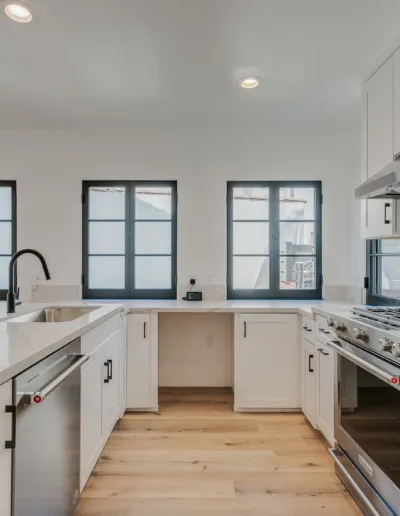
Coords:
367,416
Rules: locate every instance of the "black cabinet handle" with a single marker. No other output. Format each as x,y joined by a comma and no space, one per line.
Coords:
322,351
110,369
144,330
387,205
107,364
12,409
245,329
310,370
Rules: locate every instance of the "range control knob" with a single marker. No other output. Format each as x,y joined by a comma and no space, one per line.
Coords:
339,325
385,344
360,334
396,350
330,321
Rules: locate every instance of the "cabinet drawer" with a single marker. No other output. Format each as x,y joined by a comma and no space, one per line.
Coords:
308,328
96,337
322,330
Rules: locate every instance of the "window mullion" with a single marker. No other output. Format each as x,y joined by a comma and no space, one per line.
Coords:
131,238
274,240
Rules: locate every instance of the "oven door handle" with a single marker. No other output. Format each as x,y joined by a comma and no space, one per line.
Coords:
394,381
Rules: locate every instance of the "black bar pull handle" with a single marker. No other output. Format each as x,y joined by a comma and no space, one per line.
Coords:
12,409
245,329
107,364
144,330
387,205
110,369
310,370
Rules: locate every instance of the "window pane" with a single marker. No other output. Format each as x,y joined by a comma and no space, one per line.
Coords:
107,238
153,203
250,204
153,237
5,238
297,238
107,272
390,246
106,203
297,272
250,238
5,202
251,272
389,270
297,203
153,272
4,261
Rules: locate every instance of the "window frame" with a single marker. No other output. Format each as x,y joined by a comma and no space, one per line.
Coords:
373,252
13,185
128,292
274,292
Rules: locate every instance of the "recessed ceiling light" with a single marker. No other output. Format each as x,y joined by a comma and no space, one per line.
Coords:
248,83
18,13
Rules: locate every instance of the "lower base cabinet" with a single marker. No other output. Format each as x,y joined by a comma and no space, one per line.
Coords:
310,375
5,454
101,399
325,392
267,362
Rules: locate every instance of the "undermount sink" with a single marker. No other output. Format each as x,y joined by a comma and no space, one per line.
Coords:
55,314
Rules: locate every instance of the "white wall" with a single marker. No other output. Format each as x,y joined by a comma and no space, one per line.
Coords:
50,165
195,350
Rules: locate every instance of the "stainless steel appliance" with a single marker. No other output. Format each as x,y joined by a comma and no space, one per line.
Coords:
367,422
47,435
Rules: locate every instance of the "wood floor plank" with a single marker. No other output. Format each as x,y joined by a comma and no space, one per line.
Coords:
198,457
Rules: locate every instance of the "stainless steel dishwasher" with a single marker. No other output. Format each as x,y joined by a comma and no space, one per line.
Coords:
47,435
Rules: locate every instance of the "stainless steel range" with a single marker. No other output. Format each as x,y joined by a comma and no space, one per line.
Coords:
367,420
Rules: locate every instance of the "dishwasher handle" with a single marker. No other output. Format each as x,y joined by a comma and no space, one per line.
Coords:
39,396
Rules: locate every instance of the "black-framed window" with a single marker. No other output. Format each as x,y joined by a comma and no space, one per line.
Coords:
274,239
8,230
383,272
129,239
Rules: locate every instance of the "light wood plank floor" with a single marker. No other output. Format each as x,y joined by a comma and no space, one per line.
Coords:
198,457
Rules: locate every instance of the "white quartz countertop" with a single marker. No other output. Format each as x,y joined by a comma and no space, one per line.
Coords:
24,344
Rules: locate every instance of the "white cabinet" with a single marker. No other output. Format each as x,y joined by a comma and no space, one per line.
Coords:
5,454
142,362
396,66
310,376
101,396
267,362
325,391
381,217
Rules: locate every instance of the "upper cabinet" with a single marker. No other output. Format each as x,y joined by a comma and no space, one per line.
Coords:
380,99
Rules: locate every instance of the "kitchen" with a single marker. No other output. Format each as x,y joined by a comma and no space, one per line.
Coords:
175,150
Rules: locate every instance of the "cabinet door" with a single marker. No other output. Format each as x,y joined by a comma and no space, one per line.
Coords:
110,384
91,418
380,213
325,392
310,374
139,371
396,65
5,455
267,362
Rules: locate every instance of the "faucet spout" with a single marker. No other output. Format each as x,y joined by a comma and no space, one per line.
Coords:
11,287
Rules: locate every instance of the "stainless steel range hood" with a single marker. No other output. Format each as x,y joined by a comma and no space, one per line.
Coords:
383,185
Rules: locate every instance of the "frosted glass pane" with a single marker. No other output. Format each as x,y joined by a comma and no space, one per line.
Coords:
153,272
250,237
107,272
153,203
106,203
5,202
250,204
4,261
297,238
107,238
297,203
5,238
251,272
153,237
297,272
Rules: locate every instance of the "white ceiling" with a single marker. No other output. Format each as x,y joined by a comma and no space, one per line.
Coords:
117,63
